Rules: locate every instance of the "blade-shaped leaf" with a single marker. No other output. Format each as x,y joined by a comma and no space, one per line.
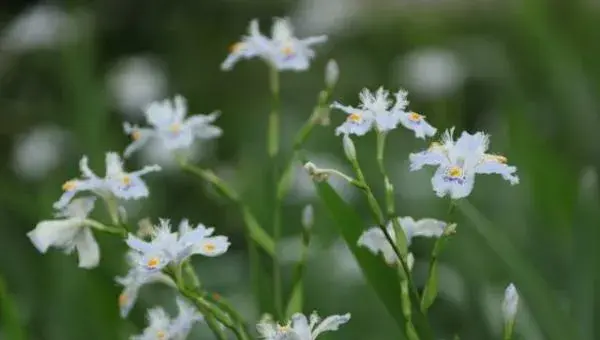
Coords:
382,278
552,319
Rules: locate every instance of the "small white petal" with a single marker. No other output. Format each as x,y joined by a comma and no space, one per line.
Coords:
510,303
331,323
87,249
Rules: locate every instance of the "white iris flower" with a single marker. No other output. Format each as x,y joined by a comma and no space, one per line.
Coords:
117,182
168,124
459,161
300,328
376,111
72,232
375,241
174,247
283,50
134,280
162,327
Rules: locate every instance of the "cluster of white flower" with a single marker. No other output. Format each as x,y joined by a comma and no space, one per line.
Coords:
159,254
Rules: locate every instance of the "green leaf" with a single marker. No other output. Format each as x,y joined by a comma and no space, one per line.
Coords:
295,303
382,278
257,233
9,316
431,288
551,318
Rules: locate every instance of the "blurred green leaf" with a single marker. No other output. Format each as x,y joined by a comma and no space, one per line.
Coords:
585,257
9,317
552,319
296,300
382,278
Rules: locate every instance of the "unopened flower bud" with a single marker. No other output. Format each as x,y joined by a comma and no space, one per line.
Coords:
450,229
308,217
349,148
332,73
510,303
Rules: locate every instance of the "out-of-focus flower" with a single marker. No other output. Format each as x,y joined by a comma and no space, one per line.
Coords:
376,111
283,50
72,232
432,72
135,82
117,182
42,26
510,303
459,161
134,280
162,327
172,247
169,125
375,241
300,327
38,152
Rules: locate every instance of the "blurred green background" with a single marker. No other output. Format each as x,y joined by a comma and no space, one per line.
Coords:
527,72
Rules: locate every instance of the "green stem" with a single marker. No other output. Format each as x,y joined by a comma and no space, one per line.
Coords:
273,153
253,228
508,330
106,228
379,218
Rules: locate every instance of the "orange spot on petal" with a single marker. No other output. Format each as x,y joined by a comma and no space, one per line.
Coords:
69,185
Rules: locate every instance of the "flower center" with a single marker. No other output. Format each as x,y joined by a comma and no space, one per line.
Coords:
161,335
69,185
123,299
209,247
434,145
455,171
287,50
284,328
135,135
126,180
236,47
354,117
153,262
415,117
175,128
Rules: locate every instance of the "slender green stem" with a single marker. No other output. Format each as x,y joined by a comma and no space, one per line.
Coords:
106,228
273,129
273,153
380,220
508,330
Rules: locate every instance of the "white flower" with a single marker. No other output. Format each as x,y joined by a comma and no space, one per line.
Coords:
70,233
300,328
459,161
375,241
182,324
162,327
169,125
117,182
510,303
376,111
134,280
172,247
426,227
283,50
